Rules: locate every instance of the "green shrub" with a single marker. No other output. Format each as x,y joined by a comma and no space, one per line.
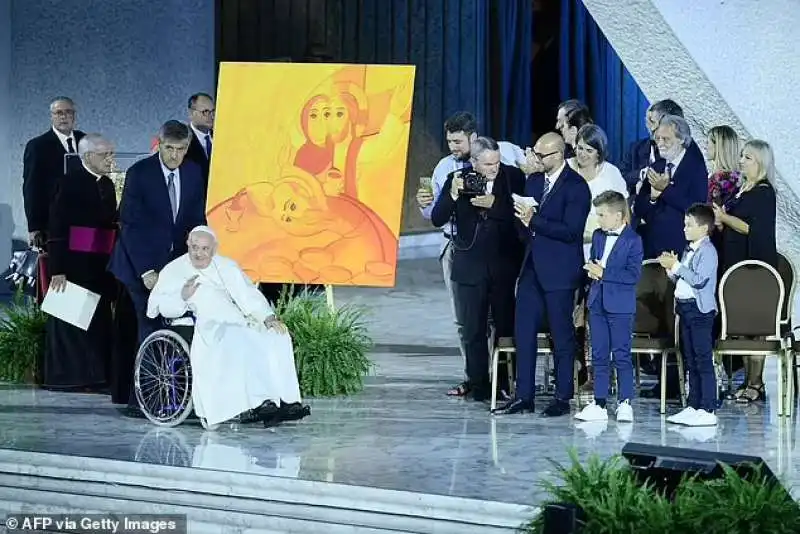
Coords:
330,345
22,338
614,502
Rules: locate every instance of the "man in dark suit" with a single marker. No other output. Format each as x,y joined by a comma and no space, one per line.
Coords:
201,123
486,252
43,165
552,271
670,188
163,199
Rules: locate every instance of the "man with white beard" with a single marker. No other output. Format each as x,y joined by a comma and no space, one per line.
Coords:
241,355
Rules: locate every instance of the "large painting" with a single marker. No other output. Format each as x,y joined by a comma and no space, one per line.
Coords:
308,170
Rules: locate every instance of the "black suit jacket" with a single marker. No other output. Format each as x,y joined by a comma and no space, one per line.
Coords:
637,158
197,154
486,244
42,166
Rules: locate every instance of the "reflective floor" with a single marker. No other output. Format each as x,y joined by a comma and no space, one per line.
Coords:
401,433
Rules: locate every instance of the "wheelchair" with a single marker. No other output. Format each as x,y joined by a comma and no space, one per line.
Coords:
163,374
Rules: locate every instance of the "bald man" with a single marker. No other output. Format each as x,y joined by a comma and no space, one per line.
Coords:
553,214
81,232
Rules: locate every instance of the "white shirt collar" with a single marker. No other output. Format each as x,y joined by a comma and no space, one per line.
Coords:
90,171
63,138
694,245
166,170
552,177
200,135
677,160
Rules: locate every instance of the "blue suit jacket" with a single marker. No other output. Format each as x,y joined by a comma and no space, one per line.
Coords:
148,237
555,236
661,222
621,273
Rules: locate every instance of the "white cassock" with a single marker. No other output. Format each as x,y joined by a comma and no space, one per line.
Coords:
237,363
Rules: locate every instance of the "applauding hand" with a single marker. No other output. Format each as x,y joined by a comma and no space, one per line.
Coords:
668,260
594,269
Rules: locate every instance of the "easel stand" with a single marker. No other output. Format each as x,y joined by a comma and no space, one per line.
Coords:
329,297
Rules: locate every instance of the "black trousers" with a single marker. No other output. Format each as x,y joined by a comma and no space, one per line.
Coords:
473,303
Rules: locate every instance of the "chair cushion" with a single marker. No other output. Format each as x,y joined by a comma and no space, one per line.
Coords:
652,343
751,344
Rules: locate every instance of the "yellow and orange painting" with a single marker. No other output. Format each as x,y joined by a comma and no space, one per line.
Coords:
308,170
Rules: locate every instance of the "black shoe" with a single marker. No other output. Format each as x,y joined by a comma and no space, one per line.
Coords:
514,406
557,408
293,412
132,412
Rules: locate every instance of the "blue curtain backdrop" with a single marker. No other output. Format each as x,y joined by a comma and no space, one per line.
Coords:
509,80
591,71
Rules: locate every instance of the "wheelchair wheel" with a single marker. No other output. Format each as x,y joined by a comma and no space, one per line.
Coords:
163,378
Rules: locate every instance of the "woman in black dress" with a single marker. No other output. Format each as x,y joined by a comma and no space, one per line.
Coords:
747,225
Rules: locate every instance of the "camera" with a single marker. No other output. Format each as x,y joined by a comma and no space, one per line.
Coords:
474,183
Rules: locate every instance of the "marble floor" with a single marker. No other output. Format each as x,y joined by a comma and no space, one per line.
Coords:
401,432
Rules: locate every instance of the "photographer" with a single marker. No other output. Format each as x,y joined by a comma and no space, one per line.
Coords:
487,253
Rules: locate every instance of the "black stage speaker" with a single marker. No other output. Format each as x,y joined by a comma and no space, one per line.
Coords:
665,466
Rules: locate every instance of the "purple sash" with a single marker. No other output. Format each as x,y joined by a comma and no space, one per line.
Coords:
97,240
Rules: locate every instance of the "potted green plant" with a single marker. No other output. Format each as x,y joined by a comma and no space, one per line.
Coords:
22,338
331,345
613,501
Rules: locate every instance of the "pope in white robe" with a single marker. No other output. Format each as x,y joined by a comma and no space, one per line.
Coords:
241,355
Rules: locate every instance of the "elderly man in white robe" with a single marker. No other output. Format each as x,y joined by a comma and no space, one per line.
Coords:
241,355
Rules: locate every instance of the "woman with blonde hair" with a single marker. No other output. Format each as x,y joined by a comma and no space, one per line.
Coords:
723,154
747,225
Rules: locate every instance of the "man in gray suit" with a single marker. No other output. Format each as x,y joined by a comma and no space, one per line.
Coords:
695,277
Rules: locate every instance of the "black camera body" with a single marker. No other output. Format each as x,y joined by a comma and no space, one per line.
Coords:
474,183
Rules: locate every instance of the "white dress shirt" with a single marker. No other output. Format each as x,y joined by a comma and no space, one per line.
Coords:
63,138
551,178
176,180
611,240
683,291
202,137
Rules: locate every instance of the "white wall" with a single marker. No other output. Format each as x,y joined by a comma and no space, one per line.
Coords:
6,217
750,51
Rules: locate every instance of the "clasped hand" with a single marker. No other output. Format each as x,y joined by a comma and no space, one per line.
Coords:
668,260
658,181
594,270
272,323
524,212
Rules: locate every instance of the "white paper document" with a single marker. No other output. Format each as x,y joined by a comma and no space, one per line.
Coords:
528,202
75,305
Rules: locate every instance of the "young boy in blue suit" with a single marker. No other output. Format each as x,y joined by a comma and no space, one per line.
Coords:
614,268
695,277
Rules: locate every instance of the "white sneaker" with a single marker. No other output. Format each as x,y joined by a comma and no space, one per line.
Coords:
592,412
624,412
679,417
701,418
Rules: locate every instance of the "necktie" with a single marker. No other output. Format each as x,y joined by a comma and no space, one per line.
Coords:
70,146
173,196
670,166
546,190
208,146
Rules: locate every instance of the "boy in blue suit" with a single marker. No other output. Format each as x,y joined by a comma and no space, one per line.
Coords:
614,267
695,277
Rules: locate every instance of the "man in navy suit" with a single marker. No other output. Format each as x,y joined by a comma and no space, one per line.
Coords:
552,270
163,199
670,188
614,267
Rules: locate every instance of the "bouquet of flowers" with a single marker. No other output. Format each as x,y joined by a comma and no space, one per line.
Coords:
723,186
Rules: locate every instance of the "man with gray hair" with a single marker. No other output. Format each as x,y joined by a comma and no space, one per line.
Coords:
163,199
43,164
487,252
671,185
81,232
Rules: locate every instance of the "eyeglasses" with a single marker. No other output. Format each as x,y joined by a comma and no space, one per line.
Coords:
64,113
540,157
205,112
